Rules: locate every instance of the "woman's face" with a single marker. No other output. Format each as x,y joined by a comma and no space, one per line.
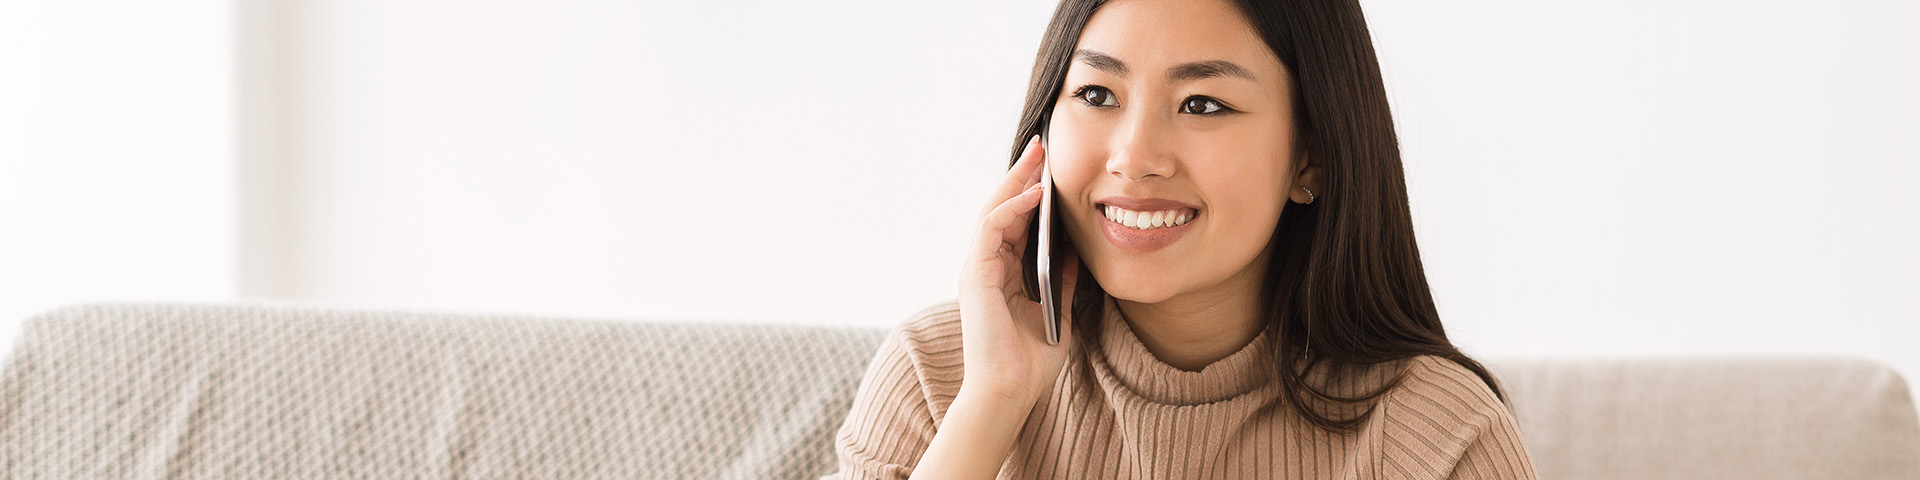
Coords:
1173,110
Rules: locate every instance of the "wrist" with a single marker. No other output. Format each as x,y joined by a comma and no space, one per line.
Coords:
1000,396
998,401
976,435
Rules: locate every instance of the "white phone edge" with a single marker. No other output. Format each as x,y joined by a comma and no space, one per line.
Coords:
1048,312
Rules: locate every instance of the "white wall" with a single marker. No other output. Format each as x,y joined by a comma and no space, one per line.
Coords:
757,161
1587,177
116,154
1641,177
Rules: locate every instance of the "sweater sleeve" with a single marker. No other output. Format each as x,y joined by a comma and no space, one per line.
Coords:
1495,453
905,389
1445,421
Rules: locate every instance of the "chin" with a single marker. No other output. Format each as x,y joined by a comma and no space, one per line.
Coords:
1135,283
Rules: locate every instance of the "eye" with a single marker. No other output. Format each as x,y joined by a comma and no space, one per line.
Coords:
1096,95
1201,106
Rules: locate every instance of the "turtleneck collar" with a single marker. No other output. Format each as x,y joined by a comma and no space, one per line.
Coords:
1137,370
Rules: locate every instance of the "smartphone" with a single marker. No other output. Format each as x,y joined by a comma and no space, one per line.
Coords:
1040,273
1050,294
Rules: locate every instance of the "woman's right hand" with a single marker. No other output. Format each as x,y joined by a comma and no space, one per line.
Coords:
1008,361
1002,332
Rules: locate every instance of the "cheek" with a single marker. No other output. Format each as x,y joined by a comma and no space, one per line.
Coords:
1075,159
1250,201
1077,166
1247,187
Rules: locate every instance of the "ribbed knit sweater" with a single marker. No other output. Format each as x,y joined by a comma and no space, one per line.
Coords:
1118,412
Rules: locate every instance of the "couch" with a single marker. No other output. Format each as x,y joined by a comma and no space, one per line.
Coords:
182,391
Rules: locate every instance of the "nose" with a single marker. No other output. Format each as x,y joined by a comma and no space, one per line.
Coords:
1141,147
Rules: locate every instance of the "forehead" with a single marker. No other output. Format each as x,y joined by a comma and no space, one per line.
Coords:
1151,35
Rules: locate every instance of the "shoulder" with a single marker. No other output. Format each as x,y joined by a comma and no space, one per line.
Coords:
904,395
1444,415
1433,383
932,335
1437,413
923,356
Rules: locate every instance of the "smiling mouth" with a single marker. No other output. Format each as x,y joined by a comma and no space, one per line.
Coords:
1138,220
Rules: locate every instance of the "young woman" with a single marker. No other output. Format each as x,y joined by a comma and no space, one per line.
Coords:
1249,302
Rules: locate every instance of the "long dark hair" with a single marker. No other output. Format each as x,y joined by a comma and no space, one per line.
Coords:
1347,288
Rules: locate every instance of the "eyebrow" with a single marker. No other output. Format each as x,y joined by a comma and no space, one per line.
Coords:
1182,72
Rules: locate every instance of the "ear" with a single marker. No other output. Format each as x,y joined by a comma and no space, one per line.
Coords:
1305,174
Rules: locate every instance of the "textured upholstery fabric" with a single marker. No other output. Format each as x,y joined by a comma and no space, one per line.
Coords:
254,391
1713,418
167,391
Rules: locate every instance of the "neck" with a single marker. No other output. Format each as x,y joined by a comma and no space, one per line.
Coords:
1199,328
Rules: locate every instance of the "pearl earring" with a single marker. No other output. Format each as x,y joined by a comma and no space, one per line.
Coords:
1309,196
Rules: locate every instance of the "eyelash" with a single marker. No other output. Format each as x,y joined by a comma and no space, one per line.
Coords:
1080,94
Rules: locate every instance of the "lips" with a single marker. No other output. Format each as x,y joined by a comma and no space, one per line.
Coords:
1145,225
1147,220
1145,204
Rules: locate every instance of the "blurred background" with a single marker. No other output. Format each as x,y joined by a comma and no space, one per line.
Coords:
1587,178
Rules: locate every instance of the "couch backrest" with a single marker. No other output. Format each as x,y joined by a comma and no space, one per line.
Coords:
180,391
259,391
1729,417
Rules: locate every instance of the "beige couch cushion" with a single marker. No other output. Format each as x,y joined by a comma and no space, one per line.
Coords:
253,391
1713,418
231,392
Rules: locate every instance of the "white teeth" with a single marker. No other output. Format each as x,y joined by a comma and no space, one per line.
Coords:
1147,220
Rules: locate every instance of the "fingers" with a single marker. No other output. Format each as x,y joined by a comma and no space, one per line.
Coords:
1024,174
1013,213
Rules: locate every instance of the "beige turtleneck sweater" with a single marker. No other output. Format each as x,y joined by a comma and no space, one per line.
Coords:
1118,412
